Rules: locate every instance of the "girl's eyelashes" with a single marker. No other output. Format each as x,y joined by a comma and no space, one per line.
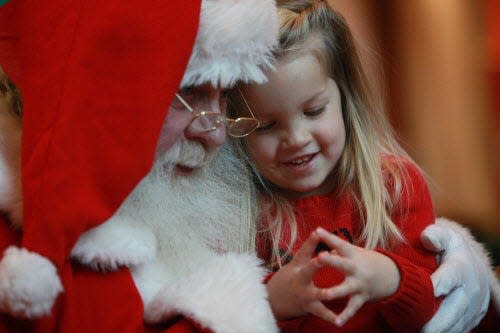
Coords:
265,126
315,112
310,113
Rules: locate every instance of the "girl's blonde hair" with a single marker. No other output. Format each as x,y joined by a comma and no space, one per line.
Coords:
362,172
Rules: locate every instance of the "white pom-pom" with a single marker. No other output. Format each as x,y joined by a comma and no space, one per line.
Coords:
29,284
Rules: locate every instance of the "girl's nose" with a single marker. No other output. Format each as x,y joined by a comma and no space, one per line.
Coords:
296,136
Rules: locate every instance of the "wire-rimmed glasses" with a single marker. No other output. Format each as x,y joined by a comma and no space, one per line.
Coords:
207,121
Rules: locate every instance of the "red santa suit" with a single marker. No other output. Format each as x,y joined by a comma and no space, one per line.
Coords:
97,78
413,304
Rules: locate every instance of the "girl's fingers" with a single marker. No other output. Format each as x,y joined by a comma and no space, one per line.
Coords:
318,309
308,270
346,288
343,247
342,264
354,304
308,248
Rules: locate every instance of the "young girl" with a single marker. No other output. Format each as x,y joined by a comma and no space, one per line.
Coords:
334,181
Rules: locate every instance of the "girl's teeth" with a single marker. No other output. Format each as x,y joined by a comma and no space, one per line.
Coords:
301,160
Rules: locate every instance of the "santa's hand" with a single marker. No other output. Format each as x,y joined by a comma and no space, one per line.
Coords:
462,278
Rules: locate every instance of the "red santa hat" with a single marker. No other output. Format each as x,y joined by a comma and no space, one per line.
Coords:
96,92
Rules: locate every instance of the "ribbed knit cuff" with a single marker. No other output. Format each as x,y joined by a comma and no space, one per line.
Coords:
413,304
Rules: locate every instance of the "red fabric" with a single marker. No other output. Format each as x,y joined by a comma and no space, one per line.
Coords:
97,78
92,302
413,304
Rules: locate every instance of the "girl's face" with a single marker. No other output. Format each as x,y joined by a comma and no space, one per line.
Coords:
302,133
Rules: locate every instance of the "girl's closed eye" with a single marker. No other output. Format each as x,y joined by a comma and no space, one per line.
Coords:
315,112
265,126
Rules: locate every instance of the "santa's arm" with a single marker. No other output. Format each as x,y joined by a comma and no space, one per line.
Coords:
465,277
120,241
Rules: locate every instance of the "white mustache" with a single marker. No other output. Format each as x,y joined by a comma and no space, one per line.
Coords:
187,153
192,154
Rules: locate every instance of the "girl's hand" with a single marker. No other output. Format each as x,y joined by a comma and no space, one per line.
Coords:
291,290
369,275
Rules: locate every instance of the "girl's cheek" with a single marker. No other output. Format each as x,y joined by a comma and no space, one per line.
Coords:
260,144
256,149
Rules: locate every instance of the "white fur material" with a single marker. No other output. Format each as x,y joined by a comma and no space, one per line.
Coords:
29,284
234,42
225,293
102,248
465,276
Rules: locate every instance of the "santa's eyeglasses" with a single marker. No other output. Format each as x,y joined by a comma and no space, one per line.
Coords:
207,121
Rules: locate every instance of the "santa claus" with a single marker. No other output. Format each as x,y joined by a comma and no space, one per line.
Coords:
97,78
88,141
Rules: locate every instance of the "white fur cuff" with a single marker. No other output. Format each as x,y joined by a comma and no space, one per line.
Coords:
226,295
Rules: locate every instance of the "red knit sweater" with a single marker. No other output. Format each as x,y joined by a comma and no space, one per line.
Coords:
413,304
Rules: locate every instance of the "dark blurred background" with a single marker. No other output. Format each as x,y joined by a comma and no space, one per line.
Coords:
436,65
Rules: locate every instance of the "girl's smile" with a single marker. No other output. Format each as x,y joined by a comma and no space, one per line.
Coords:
301,164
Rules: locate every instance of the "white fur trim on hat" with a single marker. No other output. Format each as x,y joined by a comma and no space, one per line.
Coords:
29,284
234,42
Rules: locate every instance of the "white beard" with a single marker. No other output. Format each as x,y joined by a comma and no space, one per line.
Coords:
213,204
211,208
180,235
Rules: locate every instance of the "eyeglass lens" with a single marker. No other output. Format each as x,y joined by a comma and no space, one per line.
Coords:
242,126
208,121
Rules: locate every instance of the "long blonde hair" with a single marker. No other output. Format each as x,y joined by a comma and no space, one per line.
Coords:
362,172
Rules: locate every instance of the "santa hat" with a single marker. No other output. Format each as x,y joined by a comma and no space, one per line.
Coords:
96,94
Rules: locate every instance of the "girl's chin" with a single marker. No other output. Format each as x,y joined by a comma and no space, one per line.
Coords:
297,192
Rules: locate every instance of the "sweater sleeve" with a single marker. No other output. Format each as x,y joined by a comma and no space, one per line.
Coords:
414,303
